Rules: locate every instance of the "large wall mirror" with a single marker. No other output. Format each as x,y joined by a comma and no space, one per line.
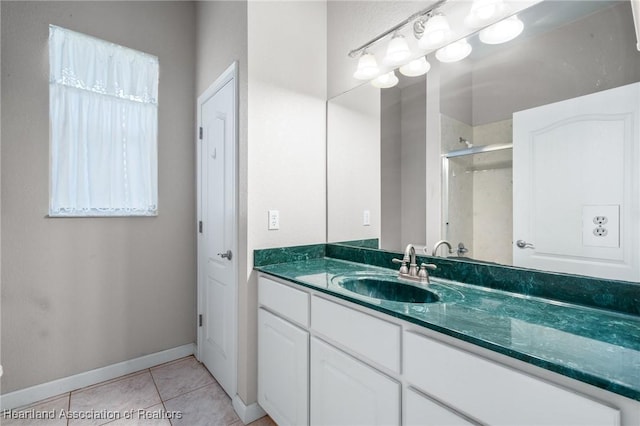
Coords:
524,153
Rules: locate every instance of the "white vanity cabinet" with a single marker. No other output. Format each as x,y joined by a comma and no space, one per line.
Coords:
345,391
283,353
326,361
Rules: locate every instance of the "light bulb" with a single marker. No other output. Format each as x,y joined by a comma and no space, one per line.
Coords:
385,80
483,12
416,67
454,52
367,67
436,33
397,51
503,31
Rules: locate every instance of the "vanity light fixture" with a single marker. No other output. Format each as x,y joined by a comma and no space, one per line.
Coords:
416,67
432,31
483,12
367,67
503,31
385,81
436,32
397,51
454,52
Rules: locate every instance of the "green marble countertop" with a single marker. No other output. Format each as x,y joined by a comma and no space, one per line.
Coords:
595,346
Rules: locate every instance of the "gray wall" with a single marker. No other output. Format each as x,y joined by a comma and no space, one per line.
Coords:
413,180
390,169
79,294
403,174
221,39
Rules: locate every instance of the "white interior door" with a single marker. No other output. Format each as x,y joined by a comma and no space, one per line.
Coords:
576,185
217,241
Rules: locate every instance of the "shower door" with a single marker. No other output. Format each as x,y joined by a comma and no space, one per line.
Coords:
477,201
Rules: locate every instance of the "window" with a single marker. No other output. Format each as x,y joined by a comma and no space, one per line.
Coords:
103,111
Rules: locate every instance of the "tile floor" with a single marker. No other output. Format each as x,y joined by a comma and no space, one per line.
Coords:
180,392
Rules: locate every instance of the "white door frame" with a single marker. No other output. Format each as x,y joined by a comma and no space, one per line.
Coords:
229,74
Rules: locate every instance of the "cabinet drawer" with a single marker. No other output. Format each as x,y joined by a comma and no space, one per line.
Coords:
285,300
375,339
492,393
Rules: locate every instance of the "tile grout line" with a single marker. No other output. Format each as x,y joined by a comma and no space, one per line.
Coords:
69,406
159,395
189,391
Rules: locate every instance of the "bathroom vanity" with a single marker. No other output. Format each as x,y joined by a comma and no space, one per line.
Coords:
338,347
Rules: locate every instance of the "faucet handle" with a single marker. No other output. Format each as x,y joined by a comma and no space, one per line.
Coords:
423,274
403,266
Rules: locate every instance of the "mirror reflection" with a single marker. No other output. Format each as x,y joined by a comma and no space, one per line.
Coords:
450,156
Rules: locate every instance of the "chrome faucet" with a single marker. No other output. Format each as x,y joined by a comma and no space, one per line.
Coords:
437,245
411,272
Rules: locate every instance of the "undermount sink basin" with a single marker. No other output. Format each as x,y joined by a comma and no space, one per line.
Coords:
380,288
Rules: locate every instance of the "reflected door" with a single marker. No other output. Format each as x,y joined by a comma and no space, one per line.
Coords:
576,185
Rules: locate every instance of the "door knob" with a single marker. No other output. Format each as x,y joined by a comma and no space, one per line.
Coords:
523,244
227,255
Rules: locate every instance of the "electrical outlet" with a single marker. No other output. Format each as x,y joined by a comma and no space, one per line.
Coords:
600,231
601,226
274,220
600,220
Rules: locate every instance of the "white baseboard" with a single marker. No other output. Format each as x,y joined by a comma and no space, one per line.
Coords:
247,413
37,393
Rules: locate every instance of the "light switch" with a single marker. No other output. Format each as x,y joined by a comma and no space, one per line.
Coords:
601,225
366,218
274,220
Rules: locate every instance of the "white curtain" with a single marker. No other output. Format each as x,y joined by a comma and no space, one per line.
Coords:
104,125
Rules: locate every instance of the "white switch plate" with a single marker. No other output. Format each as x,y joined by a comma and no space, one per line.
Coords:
274,220
601,225
366,218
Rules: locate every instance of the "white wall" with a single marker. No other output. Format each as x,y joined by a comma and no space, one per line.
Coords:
79,294
287,93
287,89
353,174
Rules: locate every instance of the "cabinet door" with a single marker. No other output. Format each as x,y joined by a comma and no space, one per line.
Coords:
421,411
283,363
344,391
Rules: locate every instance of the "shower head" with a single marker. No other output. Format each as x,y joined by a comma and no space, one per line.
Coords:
466,142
